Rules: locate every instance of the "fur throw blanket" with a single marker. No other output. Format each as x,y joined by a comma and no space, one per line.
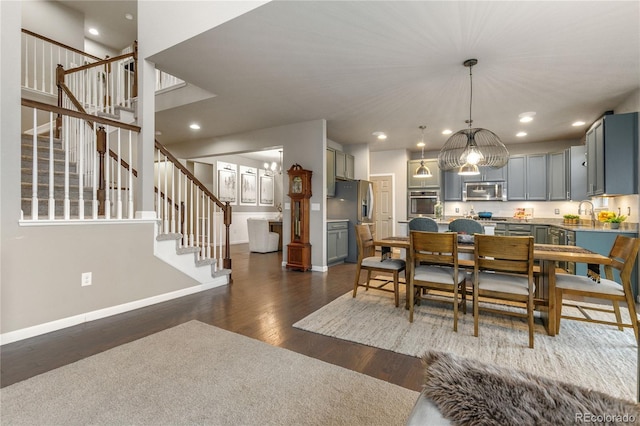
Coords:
469,392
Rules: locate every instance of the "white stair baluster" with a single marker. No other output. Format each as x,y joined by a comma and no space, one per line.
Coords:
34,177
130,207
80,171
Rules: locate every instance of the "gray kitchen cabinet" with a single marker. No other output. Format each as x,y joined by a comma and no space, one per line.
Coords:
527,177
539,232
558,175
331,172
578,173
488,174
612,151
430,182
337,241
452,186
345,164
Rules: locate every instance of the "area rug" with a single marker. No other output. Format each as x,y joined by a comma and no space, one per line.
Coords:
199,374
594,356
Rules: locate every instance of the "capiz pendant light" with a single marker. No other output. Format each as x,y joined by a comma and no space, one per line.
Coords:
472,147
422,171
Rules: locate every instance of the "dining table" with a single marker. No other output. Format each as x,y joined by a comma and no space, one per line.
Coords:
547,255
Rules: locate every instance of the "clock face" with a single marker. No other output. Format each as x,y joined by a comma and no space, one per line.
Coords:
296,186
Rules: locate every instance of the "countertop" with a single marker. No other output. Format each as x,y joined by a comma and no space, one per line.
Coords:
584,225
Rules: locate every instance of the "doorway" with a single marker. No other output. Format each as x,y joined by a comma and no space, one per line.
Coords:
383,204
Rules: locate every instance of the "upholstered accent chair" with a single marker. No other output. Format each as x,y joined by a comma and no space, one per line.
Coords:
261,240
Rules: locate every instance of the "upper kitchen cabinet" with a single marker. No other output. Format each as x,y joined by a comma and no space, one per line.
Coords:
488,174
612,150
430,182
331,172
578,173
527,177
344,166
558,175
452,186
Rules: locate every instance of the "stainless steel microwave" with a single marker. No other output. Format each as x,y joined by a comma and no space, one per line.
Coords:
484,191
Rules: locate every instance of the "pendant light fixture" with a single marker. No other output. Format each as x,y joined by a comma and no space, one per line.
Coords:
422,171
469,148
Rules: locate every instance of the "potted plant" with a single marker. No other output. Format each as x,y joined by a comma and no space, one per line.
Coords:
571,218
616,220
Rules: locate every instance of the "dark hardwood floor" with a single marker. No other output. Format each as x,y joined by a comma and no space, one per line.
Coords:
263,303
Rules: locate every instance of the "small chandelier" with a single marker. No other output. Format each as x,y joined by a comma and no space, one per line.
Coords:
273,168
469,148
422,171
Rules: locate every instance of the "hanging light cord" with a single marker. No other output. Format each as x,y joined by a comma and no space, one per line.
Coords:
471,95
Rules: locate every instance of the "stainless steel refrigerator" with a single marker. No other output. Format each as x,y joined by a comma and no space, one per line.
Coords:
353,201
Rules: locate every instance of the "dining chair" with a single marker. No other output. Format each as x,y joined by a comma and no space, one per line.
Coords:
503,272
434,257
622,256
370,262
466,226
423,224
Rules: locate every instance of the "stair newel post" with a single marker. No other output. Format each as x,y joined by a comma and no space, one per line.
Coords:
101,147
59,84
227,246
134,89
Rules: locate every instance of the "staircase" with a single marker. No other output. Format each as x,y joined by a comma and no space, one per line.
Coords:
83,154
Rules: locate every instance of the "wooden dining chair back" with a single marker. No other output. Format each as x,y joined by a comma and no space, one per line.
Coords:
503,273
622,257
369,261
434,267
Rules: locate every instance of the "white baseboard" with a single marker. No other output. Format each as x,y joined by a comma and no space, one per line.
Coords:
36,330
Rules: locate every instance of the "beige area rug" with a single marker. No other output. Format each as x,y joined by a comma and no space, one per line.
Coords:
198,374
591,355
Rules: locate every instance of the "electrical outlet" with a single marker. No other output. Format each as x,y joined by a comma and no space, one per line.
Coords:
85,279
457,209
557,211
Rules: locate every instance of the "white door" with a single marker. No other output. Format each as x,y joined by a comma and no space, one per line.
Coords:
383,205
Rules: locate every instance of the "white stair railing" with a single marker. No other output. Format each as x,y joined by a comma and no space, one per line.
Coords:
82,175
188,209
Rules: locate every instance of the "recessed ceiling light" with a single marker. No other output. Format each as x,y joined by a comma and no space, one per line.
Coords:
447,131
578,123
128,16
526,117
194,126
521,134
420,144
93,31
158,133
380,135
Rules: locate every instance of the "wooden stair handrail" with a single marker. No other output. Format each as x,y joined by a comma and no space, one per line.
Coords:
57,43
190,175
101,62
77,114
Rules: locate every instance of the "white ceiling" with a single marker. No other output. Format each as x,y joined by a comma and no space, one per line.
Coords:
392,66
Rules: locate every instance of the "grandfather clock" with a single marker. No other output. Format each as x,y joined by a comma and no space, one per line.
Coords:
299,250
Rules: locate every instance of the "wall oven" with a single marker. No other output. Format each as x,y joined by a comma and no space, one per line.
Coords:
423,203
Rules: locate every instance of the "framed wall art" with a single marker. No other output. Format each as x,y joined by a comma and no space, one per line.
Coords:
266,190
227,186
248,186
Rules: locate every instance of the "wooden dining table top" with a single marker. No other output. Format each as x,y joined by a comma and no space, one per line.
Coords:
540,251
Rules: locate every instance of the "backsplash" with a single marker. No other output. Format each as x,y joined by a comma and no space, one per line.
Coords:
546,209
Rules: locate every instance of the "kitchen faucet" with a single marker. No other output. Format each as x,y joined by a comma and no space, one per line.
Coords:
593,215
